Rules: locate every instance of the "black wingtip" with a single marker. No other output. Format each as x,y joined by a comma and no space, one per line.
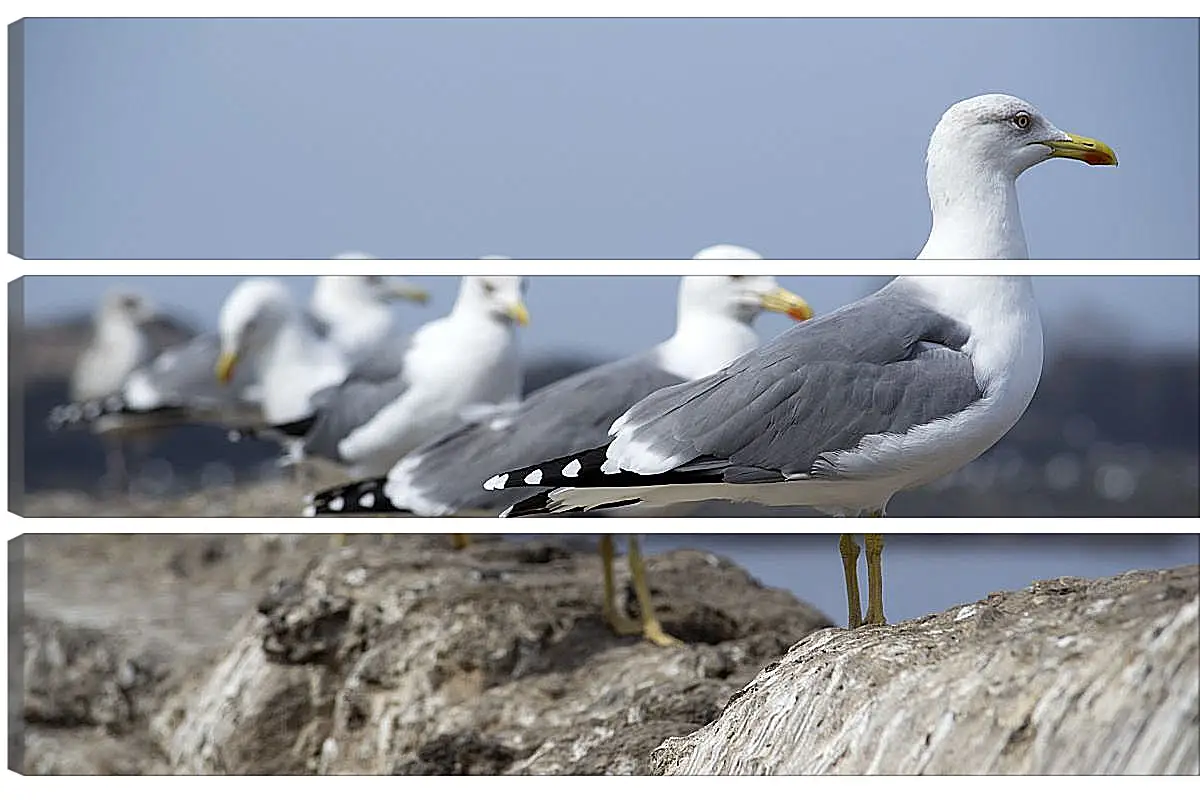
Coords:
361,497
564,471
530,507
83,413
296,429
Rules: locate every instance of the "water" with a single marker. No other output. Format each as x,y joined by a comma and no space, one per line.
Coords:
927,574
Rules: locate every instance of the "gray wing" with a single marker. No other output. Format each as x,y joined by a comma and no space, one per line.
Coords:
179,386
568,415
165,332
372,384
383,362
185,376
883,365
343,408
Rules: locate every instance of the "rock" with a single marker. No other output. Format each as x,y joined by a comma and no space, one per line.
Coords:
1069,676
95,692
110,626
75,677
407,657
227,654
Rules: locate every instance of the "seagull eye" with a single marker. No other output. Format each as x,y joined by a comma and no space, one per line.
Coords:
489,287
1022,120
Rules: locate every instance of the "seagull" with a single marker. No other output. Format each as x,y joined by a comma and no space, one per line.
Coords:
119,345
262,330
443,478
885,394
356,311
463,366
180,385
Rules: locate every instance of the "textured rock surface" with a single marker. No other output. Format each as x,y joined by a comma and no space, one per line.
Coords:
396,656
1068,676
78,677
409,658
108,627
256,654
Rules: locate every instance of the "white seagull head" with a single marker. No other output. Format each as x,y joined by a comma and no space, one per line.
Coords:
738,297
976,153
251,316
125,306
729,252
335,294
498,297
1006,135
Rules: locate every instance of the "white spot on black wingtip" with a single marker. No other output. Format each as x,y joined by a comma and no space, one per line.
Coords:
572,469
367,500
534,478
309,511
496,482
337,504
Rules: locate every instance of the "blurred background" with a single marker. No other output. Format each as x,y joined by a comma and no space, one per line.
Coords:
1112,431
588,138
928,574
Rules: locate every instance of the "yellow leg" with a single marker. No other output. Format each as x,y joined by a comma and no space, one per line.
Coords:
849,549
651,629
460,541
339,540
874,544
620,624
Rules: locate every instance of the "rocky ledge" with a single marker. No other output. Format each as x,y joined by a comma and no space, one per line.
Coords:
1069,676
243,654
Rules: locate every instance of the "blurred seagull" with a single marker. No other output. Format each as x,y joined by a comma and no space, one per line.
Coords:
463,366
119,345
182,384
445,477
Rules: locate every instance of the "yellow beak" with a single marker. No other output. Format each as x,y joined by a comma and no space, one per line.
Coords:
225,365
518,313
1081,148
781,301
403,290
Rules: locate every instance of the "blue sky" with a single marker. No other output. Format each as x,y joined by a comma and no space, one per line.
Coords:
269,138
